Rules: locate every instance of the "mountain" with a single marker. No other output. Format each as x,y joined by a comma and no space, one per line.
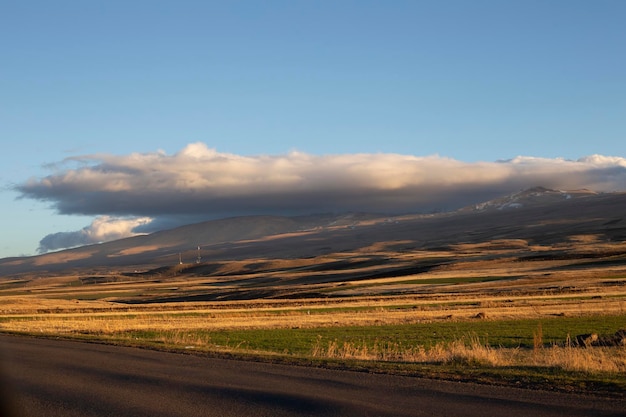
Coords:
171,246
537,216
529,198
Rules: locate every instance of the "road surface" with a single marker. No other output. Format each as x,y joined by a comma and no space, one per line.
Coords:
55,378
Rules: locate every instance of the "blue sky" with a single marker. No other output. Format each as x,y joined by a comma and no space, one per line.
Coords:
465,83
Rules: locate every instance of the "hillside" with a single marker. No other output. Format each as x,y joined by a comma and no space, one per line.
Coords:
536,217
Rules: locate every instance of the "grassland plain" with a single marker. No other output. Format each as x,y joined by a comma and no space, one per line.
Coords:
502,311
513,341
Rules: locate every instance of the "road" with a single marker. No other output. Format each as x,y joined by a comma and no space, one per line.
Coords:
56,378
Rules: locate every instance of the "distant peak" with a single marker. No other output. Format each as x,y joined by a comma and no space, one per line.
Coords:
537,195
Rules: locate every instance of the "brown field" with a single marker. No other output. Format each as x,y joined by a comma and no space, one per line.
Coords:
455,284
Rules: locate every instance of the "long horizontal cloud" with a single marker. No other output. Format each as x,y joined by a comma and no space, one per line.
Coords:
201,183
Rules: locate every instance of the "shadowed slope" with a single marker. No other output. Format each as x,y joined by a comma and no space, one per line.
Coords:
556,220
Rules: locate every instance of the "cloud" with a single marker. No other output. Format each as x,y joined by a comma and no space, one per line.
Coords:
200,183
102,229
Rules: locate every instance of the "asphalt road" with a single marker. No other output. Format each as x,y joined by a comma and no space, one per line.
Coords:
53,378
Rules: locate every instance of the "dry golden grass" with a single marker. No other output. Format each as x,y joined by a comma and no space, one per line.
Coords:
457,351
65,317
474,352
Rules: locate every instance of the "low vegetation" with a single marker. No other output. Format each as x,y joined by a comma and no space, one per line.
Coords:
365,334
489,314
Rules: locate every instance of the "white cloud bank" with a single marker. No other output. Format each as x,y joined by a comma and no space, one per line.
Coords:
200,183
102,229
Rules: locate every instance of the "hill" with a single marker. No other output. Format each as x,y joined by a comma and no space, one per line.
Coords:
536,217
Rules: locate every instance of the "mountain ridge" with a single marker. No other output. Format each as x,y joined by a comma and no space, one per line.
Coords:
537,214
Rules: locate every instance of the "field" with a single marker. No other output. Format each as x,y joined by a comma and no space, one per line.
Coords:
500,311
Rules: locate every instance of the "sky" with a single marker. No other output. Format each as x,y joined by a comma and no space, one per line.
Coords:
125,117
